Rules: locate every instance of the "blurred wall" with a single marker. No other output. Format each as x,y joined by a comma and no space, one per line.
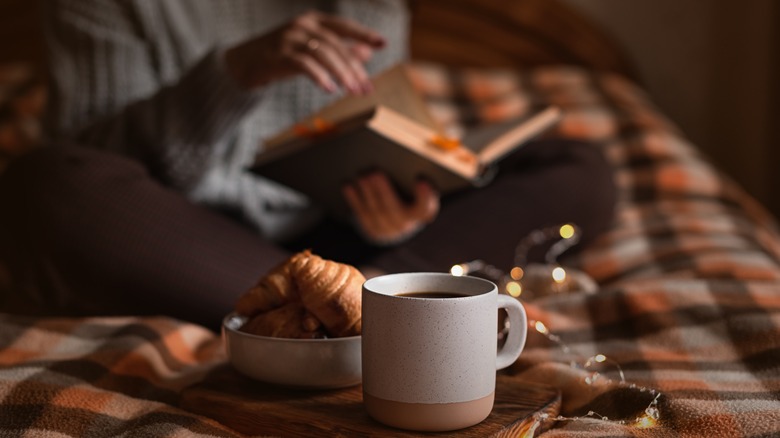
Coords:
713,67
20,34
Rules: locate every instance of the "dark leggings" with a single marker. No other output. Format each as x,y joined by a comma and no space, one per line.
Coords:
90,233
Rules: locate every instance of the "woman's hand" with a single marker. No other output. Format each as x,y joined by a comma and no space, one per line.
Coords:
381,214
331,50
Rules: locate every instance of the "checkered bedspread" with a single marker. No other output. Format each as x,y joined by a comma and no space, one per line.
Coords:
688,306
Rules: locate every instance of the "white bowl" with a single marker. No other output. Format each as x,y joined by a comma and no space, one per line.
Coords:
302,363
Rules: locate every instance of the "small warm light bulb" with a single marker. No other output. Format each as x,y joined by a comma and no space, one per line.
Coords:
541,328
645,422
457,270
559,275
514,289
567,231
600,358
516,273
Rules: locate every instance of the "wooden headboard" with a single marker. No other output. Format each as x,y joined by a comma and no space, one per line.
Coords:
513,33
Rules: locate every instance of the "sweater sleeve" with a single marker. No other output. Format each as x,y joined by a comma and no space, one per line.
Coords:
109,91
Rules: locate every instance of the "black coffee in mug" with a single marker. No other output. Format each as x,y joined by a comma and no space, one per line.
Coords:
432,294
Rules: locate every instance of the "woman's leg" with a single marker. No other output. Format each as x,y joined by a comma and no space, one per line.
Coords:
90,233
85,232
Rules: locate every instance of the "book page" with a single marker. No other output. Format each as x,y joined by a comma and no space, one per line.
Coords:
416,137
393,88
496,141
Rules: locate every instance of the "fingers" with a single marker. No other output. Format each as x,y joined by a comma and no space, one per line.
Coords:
339,61
382,215
362,51
426,202
351,29
316,72
389,213
369,210
329,40
330,50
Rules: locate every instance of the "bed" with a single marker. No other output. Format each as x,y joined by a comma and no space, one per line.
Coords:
681,337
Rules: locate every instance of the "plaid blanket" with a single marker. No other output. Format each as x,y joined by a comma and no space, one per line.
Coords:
681,339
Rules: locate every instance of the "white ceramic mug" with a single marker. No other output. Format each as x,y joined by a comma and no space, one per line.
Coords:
429,364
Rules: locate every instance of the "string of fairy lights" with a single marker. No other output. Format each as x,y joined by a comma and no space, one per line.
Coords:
511,283
648,418
556,279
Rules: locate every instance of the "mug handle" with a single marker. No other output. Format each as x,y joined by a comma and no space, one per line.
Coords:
518,330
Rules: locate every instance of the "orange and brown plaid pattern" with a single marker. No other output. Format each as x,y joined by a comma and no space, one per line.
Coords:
102,377
688,305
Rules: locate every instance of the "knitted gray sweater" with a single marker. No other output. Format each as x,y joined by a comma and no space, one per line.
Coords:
145,78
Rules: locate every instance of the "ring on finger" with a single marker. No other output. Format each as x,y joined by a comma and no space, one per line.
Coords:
313,44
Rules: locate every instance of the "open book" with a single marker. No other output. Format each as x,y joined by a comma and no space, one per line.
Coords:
392,131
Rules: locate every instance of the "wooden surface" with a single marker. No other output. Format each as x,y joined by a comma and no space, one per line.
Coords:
256,408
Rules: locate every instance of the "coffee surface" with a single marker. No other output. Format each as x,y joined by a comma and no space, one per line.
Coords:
432,294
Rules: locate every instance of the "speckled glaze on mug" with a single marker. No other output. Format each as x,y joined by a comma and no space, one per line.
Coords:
430,364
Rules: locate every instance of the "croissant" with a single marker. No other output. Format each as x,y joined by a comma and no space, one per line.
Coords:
287,321
331,291
270,292
306,296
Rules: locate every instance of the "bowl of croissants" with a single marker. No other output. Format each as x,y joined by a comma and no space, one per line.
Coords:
299,326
